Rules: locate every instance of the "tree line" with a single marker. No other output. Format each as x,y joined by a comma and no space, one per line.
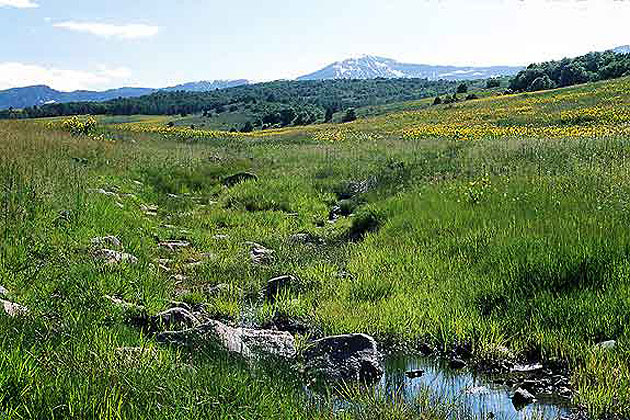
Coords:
279,103
591,67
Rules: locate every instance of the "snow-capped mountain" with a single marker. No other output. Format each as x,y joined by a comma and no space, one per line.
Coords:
371,67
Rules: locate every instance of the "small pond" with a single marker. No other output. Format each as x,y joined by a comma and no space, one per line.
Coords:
478,393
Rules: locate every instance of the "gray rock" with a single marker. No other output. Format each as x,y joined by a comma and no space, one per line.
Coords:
250,344
124,305
522,397
106,241
276,285
174,245
114,257
259,254
457,363
179,318
305,239
223,289
351,357
536,367
13,309
3,291
606,345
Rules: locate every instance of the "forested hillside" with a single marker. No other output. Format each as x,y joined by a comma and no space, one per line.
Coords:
572,71
278,103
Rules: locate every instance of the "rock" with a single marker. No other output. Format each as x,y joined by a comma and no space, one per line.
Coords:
353,357
13,309
174,245
105,192
536,367
259,254
288,324
249,343
122,304
179,278
606,345
221,237
457,363
223,289
110,241
412,374
150,210
173,318
522,397
276,285
3,291
114,257
305,239
238,178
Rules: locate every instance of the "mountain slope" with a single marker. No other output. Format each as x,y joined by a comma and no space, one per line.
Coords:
40,94
371,67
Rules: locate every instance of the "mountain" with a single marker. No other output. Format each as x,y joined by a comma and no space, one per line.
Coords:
39,95
625,49
371,67
206,86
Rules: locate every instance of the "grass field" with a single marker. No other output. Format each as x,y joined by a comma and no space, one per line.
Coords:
501,222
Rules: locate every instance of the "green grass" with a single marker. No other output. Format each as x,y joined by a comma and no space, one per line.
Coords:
516,241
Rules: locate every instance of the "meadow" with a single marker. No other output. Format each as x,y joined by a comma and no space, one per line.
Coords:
499,224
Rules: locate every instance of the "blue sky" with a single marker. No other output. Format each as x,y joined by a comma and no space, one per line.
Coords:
88,44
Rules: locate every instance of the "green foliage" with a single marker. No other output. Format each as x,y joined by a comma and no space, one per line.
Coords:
273,104
493,83
349,116
571,71
462,88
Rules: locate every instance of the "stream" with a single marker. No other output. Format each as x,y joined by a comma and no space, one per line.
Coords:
477,393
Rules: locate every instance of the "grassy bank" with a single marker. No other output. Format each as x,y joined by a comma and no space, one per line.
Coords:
501,223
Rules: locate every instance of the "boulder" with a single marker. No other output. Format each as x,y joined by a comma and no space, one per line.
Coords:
223,289
457,363
259,254
276,285
305,239
606,345
350,357
106,241
174,245
173,318
238,178
114,257
522,397
13,309
249,343
532,368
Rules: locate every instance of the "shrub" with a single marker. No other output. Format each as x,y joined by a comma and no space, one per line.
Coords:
462,88
541,83
493,83
349,116
437,100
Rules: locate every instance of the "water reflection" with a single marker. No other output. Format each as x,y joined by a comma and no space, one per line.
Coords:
480,395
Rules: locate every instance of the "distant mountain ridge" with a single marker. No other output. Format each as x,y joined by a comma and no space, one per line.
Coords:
41,94
372,67
624,49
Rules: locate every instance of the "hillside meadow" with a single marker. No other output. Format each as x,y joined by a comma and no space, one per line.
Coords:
500,224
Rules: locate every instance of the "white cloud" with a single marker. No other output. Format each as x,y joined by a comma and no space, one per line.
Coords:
18,74
131,31
20,4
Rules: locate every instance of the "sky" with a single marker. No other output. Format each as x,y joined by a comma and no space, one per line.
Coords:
90,44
